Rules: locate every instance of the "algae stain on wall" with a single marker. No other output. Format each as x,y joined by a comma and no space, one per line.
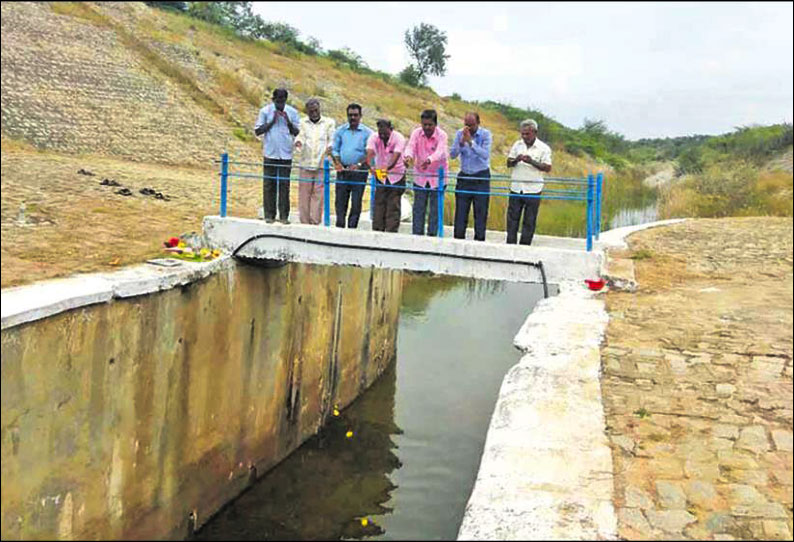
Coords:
120,419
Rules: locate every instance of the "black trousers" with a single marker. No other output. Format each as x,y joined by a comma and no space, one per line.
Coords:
352,192
529,205
275,179
464,201
387,206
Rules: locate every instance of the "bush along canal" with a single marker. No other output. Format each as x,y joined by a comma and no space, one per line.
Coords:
400,462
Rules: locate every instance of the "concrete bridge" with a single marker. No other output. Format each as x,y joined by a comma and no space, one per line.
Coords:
549,259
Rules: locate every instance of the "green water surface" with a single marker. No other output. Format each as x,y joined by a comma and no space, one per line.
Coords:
417,433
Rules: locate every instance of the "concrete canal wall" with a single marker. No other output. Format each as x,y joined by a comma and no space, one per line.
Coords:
137,403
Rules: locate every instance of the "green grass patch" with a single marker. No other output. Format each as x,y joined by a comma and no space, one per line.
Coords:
79,10
641,254
243,135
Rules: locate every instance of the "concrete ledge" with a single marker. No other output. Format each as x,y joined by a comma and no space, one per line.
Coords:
546,469
359,247
32,302
617,238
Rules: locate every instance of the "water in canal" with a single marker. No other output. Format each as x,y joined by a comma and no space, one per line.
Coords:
417,433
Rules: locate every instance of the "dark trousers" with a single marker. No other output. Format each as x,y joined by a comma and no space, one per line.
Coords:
275,178
464,201
423,198
352,192
387,206
514,207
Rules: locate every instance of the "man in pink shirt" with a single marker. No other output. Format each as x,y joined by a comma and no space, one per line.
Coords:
426,152
386,147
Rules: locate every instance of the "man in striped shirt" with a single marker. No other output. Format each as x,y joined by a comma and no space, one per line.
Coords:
312,145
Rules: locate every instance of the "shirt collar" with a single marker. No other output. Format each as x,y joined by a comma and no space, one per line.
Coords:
435,133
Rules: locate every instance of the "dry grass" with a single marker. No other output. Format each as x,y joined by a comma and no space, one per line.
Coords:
73,224
79,10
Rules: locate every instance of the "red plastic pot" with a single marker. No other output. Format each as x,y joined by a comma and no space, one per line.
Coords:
595,285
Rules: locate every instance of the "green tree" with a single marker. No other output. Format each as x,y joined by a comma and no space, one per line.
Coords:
347,56
427,46
410,76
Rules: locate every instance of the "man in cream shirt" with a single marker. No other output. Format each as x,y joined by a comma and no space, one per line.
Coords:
312,145
529,158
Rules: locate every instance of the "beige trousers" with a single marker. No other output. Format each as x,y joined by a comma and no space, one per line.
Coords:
310,196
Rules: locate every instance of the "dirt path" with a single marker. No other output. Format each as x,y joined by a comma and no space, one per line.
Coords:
697,382
72,223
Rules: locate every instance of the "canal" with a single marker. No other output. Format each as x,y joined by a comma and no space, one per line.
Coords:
400,462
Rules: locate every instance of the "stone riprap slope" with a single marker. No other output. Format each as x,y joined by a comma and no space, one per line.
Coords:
121,89
73,85
697,383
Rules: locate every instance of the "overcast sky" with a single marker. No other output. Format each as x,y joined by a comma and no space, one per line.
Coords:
647,69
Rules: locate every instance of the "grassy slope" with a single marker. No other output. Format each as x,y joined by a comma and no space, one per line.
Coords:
73,224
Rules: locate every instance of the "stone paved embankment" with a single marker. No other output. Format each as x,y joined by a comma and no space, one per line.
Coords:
697,382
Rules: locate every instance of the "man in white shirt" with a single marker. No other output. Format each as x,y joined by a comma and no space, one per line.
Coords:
312,145
529,158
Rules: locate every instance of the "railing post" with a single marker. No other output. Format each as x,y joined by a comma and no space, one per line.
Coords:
326,192
224,181
441,202
590,189
599,196
372,197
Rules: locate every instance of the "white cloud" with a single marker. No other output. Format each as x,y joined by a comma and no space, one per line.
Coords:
500,23
483,54
396,58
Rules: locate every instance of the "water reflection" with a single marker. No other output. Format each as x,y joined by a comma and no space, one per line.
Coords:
418,432
632,217
323,489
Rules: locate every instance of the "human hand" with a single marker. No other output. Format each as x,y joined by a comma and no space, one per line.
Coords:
409,161
352,167
466,138
338,167
426,163
298,145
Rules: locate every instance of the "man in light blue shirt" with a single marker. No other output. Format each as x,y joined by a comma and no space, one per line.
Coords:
278,123
473,144
350,161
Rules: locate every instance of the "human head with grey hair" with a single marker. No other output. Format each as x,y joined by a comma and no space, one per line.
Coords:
529,131
313,109
530,122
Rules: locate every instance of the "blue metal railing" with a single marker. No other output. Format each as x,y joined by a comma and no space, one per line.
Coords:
589,190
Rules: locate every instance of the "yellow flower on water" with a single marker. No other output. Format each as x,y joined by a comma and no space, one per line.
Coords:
216,253
349,434
336,412
364,522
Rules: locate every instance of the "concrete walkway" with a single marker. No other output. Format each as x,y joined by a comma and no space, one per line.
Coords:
563,258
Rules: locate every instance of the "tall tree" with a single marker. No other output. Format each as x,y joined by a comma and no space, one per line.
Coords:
427,46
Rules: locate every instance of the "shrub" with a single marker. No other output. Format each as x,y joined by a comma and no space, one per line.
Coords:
410,76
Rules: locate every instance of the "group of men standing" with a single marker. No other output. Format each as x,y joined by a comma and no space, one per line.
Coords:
357,151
